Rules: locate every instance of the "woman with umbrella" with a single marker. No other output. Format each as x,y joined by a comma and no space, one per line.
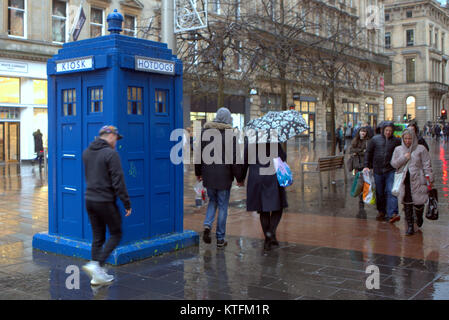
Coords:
262,144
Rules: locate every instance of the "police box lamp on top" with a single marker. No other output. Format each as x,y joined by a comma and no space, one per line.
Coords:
110,129
115,20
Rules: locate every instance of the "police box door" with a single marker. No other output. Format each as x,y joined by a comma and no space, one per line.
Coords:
162,173
69,155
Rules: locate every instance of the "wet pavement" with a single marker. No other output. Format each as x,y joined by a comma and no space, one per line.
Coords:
325,247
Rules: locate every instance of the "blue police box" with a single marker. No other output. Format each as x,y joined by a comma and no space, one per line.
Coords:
136,85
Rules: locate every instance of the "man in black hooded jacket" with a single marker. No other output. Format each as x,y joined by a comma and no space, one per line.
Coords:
377,157
105,182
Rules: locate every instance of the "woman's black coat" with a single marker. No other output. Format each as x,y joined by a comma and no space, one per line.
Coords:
263,192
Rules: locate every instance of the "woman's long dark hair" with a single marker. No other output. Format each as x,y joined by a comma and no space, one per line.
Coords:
357,139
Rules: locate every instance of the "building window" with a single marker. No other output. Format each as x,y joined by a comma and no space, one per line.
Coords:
9,90
59,20
17,18
443,36
96,22
237,9
411,107
96,100
216,6
40,92
388,111
351,113
410,69
373,111
387,17
130,26
388,74
307,110
8,113
430,37
410,38
435,44
388,40
135,100
161,101
409,14
69,102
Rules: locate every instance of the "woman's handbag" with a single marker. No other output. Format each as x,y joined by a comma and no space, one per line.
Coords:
432,204
357,186
398,179
283,172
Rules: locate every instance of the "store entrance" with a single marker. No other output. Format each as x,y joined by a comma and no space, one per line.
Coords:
9,141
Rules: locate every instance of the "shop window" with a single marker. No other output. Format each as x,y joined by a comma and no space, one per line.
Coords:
59,20
9,113
17,18
388,115
161,101
130,26
96,22
95,100
9,90
411,110
135,100
69,102
40,92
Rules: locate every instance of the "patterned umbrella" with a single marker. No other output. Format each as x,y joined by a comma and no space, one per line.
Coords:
282,125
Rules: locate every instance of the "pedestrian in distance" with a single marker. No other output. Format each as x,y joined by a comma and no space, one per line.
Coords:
446,132
377,157
263,192
218,177
357,152
348,136
340,139
414,126
413,193
105,183
437,132
38,146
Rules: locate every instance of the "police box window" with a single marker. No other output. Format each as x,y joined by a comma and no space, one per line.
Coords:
69,102
161,101
135,100
96,100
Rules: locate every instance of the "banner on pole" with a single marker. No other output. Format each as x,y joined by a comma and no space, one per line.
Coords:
78,25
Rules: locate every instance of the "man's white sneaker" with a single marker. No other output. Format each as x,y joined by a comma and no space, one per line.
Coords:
101,277
91,268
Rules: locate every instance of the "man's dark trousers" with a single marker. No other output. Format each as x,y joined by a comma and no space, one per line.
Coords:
102,214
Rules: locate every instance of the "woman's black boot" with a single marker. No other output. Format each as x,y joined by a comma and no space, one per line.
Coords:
274,241
408,208
419,215
267,244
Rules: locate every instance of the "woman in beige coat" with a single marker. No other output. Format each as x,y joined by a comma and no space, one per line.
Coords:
413,191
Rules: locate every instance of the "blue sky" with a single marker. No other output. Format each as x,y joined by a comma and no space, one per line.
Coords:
442,1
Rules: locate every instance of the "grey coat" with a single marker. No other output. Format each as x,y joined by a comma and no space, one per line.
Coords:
419,165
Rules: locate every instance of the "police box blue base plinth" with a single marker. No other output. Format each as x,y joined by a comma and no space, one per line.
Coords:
123,254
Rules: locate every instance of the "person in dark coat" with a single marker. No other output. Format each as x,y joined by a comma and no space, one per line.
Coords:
377,157
414,126
437,131
263,192
218,177
38,146
446,132
105,182
357,153
340,138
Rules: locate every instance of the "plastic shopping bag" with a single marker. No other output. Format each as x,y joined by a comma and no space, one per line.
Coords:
357,186
369,190
200,192
283,172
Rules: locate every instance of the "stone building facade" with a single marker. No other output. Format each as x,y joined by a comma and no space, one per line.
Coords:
32,31
416,40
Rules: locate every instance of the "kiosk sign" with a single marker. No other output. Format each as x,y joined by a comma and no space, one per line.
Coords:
155,65
74,65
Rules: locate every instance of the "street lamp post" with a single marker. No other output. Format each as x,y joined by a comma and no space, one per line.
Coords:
168,35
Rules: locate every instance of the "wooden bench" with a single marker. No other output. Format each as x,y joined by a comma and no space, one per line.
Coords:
330,163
